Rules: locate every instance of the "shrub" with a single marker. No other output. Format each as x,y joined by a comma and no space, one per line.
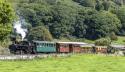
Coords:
113,36
103,42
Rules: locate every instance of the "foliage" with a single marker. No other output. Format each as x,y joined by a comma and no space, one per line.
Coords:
63,21
119,2
106,5
101,24
99,6
121,15
113,36
87,3
39,33
121,40
91,19
103,42
6,18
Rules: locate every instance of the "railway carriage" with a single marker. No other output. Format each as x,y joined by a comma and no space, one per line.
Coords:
88,48
45,47
63,47
117,48
101,49
75,48
71,47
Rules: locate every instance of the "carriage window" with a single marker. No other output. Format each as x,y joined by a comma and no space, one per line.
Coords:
76,45
54,45
65,46
41,44
37,45
45,44
50,45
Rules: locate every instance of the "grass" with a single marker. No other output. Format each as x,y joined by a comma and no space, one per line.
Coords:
121,40
76,63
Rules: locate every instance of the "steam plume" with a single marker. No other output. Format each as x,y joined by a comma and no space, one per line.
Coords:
19,29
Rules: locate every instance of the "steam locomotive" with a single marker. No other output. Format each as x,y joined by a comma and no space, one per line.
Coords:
22,47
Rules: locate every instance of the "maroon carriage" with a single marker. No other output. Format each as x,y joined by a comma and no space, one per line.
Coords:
75,48
63,47
72,47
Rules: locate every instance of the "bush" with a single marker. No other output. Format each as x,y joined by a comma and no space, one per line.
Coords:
103,42
40,33
113,36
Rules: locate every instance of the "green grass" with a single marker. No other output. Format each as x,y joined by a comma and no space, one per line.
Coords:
76,63
121,40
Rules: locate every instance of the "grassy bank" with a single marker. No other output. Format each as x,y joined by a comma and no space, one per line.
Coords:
76,63
121,40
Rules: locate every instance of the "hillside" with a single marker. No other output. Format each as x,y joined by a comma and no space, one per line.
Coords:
68,19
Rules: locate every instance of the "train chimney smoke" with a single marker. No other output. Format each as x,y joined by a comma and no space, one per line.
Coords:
18,27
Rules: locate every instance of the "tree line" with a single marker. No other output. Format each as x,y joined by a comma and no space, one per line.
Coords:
90,19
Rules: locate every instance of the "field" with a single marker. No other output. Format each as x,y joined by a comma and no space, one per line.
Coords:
121,40
75,63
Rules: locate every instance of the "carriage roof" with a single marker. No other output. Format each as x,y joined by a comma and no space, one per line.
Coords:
43,42
79,43
118,46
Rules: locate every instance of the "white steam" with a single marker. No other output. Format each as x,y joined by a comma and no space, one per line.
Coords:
19,29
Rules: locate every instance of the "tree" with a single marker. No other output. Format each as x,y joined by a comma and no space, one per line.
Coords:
64,18
87,3
36,14
39,33
80,24
101,24
80,27
106,5
119,2
121,15
99,5
6,18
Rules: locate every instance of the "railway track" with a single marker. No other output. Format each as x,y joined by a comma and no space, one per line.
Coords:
29,57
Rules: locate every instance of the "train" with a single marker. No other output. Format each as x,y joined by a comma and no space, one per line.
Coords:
36,47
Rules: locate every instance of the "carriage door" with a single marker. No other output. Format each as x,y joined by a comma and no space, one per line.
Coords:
70,48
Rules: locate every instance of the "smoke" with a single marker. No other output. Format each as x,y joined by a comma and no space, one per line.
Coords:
18,26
